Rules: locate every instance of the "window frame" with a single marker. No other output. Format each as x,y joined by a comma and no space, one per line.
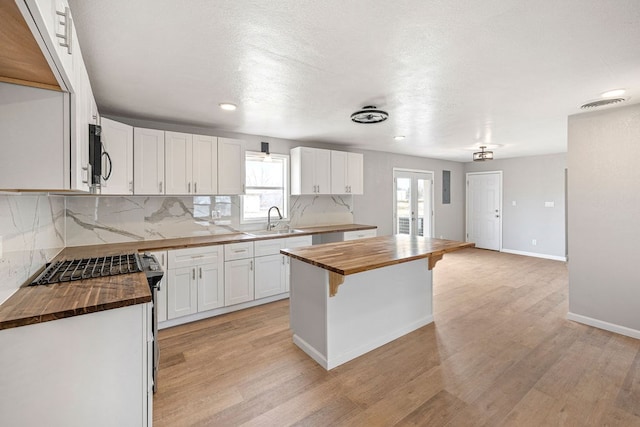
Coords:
286,187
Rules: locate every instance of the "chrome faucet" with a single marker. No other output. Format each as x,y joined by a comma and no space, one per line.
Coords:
269,225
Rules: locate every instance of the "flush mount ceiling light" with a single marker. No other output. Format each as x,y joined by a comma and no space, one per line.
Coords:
612,93
399,137
602,102
482,155
369,114
228,107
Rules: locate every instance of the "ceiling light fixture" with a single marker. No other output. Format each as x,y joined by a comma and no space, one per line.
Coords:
369,114
399,137
602,102
264,148
612,93
228,107
482,155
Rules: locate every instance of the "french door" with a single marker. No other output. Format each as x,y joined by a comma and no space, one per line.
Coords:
484,209
413,202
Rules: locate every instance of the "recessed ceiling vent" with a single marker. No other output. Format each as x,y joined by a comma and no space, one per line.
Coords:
602,103
369,114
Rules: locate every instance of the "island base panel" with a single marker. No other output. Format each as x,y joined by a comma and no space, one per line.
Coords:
371,309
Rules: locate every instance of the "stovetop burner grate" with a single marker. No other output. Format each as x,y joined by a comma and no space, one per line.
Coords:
88,268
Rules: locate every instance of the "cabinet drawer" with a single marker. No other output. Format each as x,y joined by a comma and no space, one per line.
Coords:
179,258
269,247
296,242
238,251
360,234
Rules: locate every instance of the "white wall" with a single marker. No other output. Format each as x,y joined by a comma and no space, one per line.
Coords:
604,219
530,182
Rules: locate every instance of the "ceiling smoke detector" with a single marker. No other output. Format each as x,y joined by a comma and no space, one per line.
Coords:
602,103
369,114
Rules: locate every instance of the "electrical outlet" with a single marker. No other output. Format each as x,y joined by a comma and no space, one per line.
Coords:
534,242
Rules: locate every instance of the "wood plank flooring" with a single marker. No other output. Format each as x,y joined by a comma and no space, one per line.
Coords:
500,353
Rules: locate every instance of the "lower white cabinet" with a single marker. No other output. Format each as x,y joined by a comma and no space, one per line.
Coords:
238,273
194,280
270,275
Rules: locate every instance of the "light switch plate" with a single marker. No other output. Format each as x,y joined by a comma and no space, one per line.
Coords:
513,203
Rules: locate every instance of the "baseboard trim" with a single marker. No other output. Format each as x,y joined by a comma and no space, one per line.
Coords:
600,324
534,254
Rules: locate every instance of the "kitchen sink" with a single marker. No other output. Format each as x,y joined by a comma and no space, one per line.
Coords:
285,231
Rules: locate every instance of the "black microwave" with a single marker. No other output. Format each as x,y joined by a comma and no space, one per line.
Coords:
96,156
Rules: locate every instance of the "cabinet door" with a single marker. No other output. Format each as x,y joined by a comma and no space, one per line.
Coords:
178,158
81,100
148,161
182,291
210,285
230,166
270,275
161,298
355,173
117,139
339,172
238,281
205,164
323,171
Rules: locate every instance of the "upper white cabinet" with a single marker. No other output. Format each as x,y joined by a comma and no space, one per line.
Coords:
310,171
178,151
191,163
231,168
148,161
346,173
205,164
117,140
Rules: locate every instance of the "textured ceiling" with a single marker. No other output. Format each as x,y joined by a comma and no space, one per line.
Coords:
451,74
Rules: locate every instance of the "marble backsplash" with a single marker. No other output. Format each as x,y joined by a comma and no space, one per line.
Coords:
114,219
32,230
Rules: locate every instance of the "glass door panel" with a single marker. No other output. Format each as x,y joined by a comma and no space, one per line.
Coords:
413,203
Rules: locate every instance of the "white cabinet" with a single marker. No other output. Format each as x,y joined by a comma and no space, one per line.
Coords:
205,164
238,273
148,161
178,150
191,164
359,234
346,173
231,166
194,280
310,171
86,370
161,297
117,140
271,268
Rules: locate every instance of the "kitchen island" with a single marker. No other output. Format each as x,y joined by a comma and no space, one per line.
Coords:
348,298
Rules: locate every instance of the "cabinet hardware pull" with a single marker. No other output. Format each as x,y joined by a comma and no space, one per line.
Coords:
189,187
66,37
131,187
163,260
193,274
283,259
197,256
160,187
200,272
239,251
251,265
195,188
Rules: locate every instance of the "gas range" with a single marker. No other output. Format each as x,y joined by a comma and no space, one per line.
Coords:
89,268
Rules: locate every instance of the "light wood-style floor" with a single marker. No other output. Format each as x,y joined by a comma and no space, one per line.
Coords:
499,353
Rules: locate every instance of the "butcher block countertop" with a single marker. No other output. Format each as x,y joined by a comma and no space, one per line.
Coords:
42,303
356,256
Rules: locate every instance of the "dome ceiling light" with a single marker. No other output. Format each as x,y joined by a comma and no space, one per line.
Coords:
602,103
369,114
481,156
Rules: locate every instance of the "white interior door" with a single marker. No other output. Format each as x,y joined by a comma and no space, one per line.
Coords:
413,202
484,210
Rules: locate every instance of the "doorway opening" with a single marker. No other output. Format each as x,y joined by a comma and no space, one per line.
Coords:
413,202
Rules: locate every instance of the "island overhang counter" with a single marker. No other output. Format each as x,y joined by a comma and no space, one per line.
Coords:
348,298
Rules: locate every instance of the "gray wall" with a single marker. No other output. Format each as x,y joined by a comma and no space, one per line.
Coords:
604,216
530,182
375,207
